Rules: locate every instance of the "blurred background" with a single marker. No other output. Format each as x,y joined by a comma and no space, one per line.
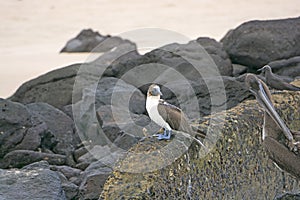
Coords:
32,32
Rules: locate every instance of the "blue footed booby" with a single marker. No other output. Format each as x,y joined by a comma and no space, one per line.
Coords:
281,144
165,115
275,81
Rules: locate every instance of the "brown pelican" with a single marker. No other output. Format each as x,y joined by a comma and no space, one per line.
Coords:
275,81
281,144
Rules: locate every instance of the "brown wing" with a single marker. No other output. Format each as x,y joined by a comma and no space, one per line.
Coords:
279,84
282,156
174,116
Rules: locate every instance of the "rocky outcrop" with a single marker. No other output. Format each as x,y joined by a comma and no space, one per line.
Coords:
19,130
58,87
256,43
218,54
190,60
60,125
21,158
287,67
105,101
54,88
34,182
236,166
91,41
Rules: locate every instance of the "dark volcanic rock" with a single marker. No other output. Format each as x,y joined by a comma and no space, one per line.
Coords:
218,54
113,91
19,129
54,88
188,61
209,95
59,89
289,67
20,158
35,182
60,125
94,178
124,129
256,43
67,171
97,172
70,189
88,40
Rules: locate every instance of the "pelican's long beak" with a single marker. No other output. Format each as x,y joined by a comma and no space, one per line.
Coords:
266,103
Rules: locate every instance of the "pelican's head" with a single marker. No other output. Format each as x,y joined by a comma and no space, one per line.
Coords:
253,83
154,90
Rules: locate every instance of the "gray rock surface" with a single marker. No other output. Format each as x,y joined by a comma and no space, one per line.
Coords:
19,128
113,91
96,174
256,43
286,67
198,99
191,61
218,54
54,88
116,122
70,189
60,125
91,41
21,158
36,182
67,171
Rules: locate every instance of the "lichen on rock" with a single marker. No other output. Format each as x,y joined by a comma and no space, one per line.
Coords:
237,167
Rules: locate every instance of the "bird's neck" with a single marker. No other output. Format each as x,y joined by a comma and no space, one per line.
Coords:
152,101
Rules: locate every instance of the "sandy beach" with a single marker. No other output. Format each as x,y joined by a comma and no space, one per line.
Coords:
33,32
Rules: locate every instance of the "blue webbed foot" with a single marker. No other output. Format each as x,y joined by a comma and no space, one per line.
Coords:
165,136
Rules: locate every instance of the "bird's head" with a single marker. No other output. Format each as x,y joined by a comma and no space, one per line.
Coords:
265,69
259,89
252,83
154,90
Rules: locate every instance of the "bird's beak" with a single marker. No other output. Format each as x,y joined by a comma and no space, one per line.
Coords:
160,93
259,70
269,108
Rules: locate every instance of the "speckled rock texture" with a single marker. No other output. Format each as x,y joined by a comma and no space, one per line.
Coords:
236,167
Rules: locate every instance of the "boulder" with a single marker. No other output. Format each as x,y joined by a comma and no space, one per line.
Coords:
218,54
238,70
58,87
256,43
190,61
54,88
70,189
116,123
94,178
41,183
109,91
286,67
116,92
60,125
20,158
92,41
213,94
19,128
67,171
